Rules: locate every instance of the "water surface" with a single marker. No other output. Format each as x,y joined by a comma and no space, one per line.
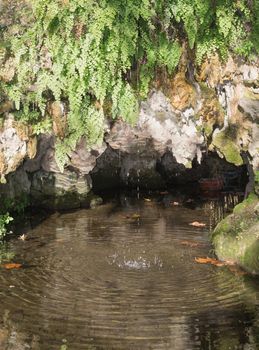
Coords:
124,276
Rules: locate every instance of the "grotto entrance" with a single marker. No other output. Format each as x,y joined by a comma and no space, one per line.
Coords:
212,176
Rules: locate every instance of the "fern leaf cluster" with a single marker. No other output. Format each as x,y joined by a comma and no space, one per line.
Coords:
86,53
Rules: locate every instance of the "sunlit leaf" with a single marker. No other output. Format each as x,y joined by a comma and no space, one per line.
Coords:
12,266
232,266
135,216
197,224
23,237
210,261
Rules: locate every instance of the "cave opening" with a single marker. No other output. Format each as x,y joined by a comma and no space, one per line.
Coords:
212,176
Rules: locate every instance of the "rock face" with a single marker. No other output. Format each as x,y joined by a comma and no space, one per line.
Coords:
211,111
170,131
13,147
60,191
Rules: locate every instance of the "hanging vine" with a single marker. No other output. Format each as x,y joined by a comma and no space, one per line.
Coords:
80,52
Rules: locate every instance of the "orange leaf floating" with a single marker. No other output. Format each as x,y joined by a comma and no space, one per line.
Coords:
210,261
12,266
202,260
197,224
164,192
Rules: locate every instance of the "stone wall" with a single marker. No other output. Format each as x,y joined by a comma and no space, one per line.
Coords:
214,109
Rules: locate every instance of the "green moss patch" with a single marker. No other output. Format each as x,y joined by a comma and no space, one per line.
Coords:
227,147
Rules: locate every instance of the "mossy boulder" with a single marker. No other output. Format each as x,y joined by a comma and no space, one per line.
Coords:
236,238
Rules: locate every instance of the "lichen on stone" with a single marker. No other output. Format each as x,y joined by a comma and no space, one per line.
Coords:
227,147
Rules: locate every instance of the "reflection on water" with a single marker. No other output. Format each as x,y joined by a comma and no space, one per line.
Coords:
122,277
219,206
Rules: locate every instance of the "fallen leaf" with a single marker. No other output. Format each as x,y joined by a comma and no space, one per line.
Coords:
164,192
23,237
218,263
175,203
202,260
230,263
147,199
12,266
135,216
197,224
210,261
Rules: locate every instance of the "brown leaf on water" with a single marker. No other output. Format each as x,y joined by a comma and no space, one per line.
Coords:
164,192
202,260
217,262
135,216
147,200
12,266
197,224
210,261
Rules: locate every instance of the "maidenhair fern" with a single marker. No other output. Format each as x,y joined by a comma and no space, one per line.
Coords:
89,54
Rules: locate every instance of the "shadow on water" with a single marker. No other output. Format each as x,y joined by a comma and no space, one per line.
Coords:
124,276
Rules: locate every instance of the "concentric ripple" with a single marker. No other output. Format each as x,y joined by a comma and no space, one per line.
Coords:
125,277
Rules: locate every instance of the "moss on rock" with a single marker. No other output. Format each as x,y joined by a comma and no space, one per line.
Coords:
227,147
236,238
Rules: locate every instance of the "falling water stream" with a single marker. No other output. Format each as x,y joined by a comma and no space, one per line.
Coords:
124,276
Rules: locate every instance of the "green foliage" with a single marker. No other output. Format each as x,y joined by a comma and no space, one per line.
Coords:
5,253
88,53
5,219
43,126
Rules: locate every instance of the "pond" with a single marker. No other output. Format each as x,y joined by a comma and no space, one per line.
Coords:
124,276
